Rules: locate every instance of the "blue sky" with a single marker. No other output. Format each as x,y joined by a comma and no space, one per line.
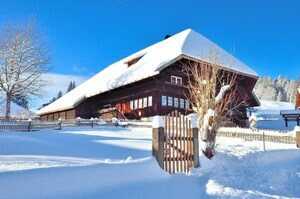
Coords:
86,36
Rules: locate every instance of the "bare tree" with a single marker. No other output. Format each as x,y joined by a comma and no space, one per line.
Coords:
213,95
24,57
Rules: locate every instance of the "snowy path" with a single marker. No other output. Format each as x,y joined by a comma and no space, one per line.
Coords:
110,162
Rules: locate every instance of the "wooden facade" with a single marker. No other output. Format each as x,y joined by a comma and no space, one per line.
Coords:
157,95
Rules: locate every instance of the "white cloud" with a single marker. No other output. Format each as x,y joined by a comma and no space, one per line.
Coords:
57,82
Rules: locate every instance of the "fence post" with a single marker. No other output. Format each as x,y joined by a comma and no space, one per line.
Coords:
196,147
264,141
195,131
59,123
298,138
29,125
92,122
158,140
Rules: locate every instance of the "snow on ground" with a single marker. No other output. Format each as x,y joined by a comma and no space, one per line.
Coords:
116,162
269,115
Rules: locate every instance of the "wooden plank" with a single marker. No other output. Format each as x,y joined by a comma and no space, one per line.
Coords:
176,126
173,142
180,142
184,144
169,132
191,144
165,139
188,145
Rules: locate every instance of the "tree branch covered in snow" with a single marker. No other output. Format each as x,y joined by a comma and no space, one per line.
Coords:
277,89
24,57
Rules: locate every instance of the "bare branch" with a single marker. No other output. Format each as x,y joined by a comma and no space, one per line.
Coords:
24,57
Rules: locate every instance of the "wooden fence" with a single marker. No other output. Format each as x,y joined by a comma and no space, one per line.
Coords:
34,126
175,145
259,137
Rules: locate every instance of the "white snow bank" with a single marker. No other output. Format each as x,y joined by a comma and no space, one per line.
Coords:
116,162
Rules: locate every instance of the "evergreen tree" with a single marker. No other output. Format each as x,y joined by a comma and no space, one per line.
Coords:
70,87
279,97
21,100
59,94
53,99
279,88
73,85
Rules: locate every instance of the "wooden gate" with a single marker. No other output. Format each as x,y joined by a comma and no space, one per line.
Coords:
180,144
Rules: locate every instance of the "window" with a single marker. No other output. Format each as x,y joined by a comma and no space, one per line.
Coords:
140,103
135,104
182,103
187,104
176,80
131,105
163,100
175,102
150,101
170,101
145,102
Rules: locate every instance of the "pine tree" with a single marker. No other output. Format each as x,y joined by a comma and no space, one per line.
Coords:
279,97
59,94
267,88
70,87
73,85
53,100
21,100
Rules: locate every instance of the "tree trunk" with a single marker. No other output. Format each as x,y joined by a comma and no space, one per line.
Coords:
7,112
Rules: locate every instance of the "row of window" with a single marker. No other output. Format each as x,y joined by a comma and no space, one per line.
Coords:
165,101
141,103
175,102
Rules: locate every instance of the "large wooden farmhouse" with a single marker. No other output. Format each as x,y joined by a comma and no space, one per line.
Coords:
148,82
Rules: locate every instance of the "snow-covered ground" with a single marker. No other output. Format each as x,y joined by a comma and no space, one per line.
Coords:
116,162
269,115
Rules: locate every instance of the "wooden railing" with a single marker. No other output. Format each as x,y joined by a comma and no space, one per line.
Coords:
34,126
262,135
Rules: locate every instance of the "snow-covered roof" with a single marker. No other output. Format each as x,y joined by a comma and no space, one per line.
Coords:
153,59
290,112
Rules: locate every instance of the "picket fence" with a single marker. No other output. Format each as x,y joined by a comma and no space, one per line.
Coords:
258,135
34,126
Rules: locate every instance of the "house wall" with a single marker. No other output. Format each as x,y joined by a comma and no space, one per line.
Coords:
123,98
64,115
